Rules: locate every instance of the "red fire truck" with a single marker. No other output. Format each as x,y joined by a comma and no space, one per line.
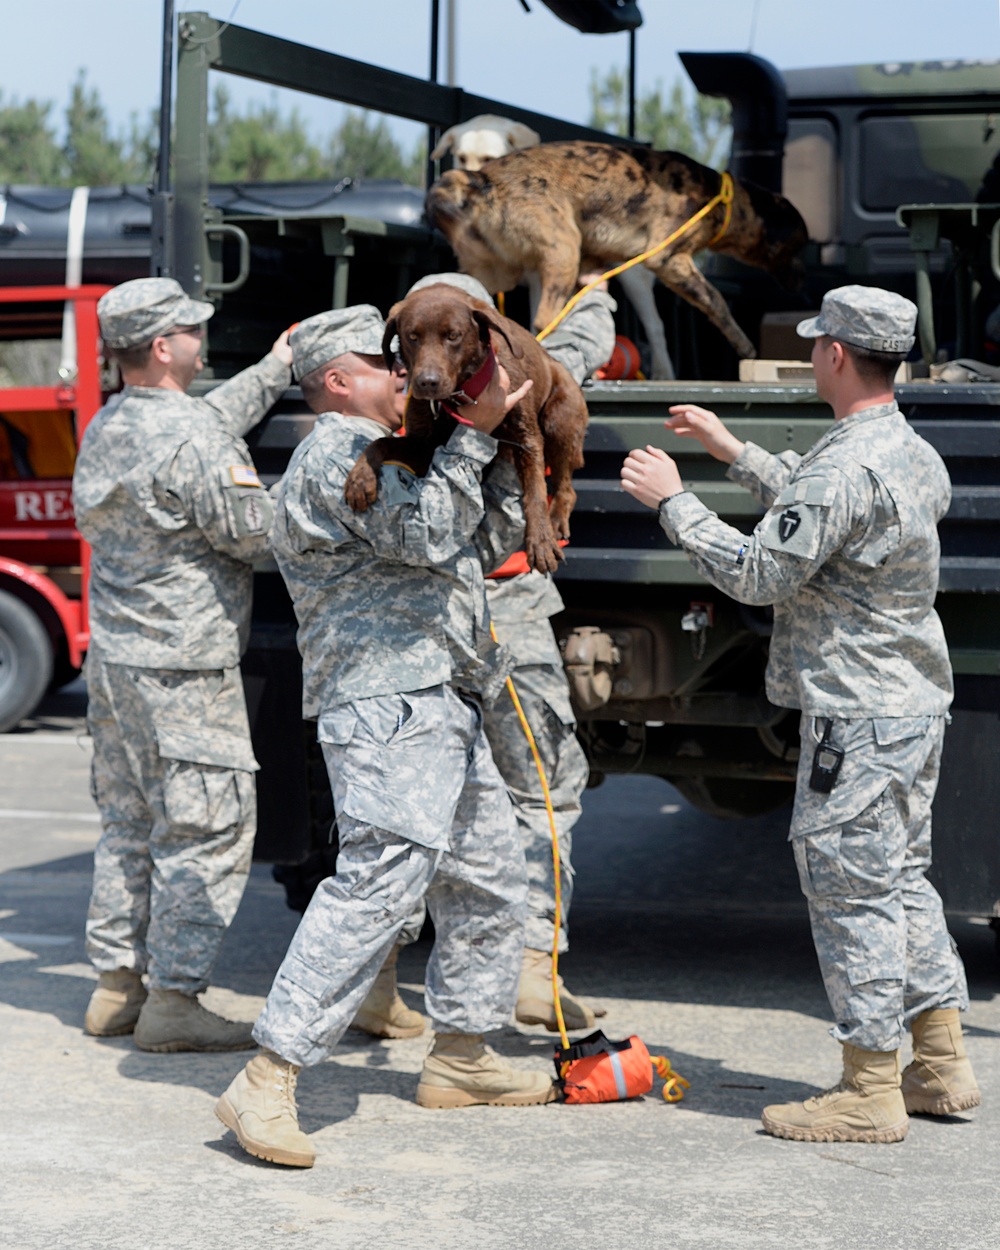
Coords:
43,560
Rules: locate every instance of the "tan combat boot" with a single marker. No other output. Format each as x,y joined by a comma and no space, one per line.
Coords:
461,1071
534,996
867,1105
115,1005
172,1021
940,1080
259,1107
383,1013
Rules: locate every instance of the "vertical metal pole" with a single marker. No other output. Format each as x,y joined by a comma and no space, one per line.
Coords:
631,84
161,259
432,131
452,20
197,47
166,91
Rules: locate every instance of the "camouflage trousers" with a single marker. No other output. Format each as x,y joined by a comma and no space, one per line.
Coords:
423,815
544,697
173,778
862,853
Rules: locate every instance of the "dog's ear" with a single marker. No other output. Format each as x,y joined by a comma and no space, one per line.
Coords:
521,136
388,354
445,145
489,319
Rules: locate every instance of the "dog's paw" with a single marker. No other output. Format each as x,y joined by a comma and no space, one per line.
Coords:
560,523
544,554
361,487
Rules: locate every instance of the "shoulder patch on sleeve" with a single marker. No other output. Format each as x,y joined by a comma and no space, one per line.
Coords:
243,475
794,528
249,509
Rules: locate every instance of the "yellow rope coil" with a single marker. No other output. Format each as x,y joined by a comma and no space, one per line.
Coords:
674,1084
724,196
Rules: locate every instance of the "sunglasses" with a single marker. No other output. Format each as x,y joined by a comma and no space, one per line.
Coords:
197,332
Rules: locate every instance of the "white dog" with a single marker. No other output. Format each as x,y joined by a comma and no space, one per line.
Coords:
482,138
487,136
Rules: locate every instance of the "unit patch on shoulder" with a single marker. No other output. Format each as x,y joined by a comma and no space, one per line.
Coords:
254,514
788,523
248,505
244,475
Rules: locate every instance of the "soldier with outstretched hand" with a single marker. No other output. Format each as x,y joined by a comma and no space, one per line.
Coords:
397,663
167,496
848,555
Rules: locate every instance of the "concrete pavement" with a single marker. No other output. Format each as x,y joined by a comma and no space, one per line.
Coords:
692,932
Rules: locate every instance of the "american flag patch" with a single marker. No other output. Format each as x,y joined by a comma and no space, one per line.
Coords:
244,475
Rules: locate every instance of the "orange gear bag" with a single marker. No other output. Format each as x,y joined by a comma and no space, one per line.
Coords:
598,1070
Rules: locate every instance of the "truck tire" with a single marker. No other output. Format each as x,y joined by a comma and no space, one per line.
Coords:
25,661
733,798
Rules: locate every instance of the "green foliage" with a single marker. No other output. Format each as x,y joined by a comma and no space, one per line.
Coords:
699,127
261,144
28,149
362,148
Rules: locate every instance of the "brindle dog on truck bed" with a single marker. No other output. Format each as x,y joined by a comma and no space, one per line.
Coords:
563,208
446,338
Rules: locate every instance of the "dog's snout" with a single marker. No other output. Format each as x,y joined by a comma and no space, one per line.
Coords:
428,384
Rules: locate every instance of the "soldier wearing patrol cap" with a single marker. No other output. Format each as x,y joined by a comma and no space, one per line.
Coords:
521,603
848,555
397,664
167,496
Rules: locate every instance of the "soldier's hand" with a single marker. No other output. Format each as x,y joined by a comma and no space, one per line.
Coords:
281,349
650,475
690,421
495,401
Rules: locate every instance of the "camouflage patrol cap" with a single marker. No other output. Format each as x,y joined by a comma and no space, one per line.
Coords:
320,339
464,281
136,312
866,316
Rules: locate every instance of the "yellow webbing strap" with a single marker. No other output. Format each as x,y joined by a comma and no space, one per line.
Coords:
674,1084
724,196
556,865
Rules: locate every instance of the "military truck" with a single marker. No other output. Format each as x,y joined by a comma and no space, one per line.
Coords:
681,665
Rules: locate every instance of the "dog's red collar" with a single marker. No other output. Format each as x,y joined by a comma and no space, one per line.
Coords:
471,388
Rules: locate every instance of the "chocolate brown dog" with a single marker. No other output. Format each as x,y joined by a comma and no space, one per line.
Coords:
562,208
446,339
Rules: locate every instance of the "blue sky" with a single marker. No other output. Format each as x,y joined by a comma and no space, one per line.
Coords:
533,60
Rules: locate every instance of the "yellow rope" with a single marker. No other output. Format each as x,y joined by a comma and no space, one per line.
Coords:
725,196
674,1084
556,865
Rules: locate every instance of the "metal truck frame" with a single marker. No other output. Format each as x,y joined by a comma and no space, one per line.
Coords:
684,664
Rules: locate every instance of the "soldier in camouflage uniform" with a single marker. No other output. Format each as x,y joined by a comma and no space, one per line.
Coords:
168,498
397,664
521,603
848,555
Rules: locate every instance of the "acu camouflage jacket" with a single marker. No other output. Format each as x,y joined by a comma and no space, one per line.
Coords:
848,554
393,599
167,496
